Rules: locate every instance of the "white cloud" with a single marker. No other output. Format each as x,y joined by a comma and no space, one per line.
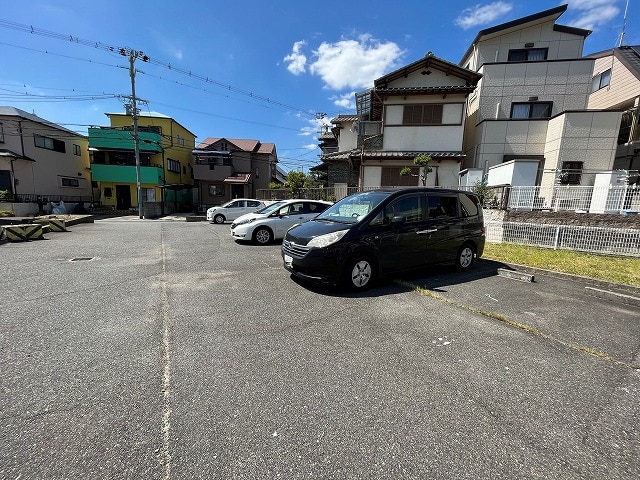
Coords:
346,100
306,131
354,63
482,14
296,59
315,125
592,13
311,146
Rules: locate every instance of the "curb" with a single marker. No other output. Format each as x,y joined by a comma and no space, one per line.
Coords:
615,289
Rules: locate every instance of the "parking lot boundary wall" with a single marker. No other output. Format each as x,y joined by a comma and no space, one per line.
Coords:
590,233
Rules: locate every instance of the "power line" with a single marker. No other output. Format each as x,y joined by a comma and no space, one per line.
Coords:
19,96
125,51
26,97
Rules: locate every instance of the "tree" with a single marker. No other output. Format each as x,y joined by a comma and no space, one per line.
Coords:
421,161
312,180
295,181
484,192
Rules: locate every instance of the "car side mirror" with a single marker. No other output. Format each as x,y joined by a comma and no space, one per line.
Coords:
398,219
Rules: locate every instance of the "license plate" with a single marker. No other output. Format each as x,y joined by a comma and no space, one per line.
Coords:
288,260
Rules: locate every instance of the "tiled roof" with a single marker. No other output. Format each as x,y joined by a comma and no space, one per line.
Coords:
338,155
247,145
389,154
429,61
238,178
427,90
629,55
326,136
402,154
631,58
267,148
16,112
344,118
11,154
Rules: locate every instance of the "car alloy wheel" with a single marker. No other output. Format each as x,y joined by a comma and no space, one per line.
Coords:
262,236
359,273
218,218
464,260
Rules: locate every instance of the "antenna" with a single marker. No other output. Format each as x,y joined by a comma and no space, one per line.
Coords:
624,25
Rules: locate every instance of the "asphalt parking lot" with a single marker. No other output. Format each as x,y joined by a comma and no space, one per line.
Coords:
164,349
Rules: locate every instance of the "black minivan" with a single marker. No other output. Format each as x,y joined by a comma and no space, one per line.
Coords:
380,232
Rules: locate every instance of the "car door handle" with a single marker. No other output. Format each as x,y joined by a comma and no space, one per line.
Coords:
422,232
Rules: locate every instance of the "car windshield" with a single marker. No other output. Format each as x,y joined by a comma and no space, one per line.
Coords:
271,208
353,208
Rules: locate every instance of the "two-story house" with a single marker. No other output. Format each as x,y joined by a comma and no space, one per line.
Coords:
165,170
528,121
41,159
337,144
228,168
616,86
417,109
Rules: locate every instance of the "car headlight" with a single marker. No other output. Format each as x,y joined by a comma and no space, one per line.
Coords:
326,240
244,222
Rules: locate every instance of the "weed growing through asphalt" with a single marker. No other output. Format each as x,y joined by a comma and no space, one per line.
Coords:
522,326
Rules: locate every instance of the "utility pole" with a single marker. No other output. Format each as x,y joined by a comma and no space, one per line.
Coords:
133,55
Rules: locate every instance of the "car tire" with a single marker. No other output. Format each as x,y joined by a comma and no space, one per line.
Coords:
359,273
219,218
464,258
262,236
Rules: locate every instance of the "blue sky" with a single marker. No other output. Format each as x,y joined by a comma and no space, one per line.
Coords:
247,69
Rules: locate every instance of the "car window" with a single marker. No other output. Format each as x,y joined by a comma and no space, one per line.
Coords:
442,206
468,205
314,207
353,208
234,204
271,208
286,210
253,203
409,206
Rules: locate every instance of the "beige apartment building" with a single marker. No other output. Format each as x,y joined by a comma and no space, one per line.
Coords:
616,86
42,160
529,122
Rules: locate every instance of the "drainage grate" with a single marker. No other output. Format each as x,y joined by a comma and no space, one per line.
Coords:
79,259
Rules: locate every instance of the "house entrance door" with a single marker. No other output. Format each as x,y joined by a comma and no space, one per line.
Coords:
123,197
237,191
5,181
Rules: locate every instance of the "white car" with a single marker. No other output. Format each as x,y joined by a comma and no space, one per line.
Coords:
272,222
234,209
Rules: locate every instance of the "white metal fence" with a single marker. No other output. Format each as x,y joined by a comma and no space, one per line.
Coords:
605,199
600,240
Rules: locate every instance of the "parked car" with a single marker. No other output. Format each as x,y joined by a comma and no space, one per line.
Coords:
233,209
272,222
375,233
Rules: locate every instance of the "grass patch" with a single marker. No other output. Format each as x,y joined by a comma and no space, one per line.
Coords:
624,270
